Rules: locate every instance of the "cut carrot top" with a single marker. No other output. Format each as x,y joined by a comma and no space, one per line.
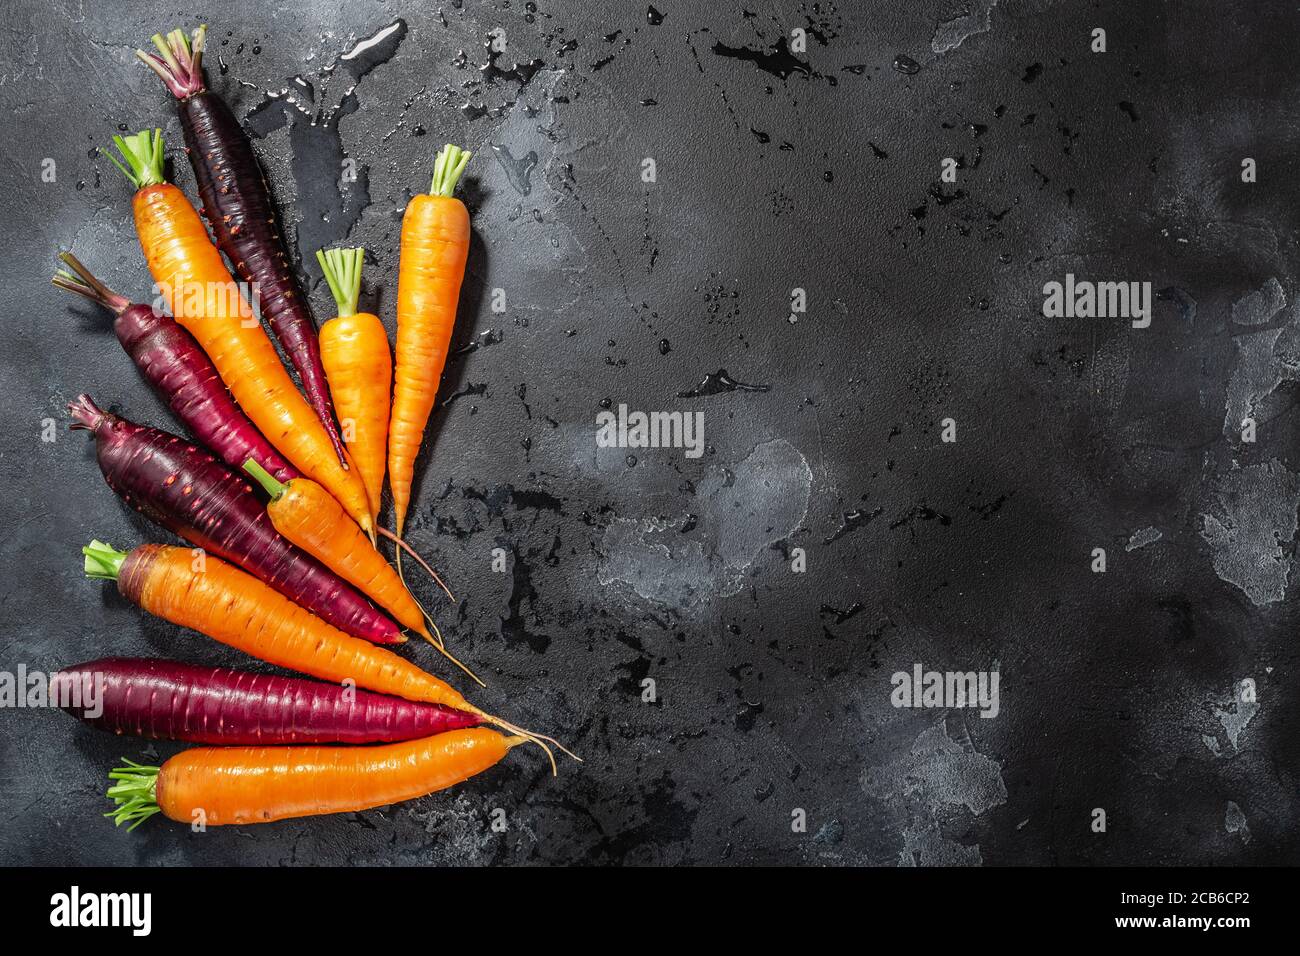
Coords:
143,153
342,268
447,167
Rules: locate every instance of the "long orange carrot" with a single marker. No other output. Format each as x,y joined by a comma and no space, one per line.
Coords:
435,246
359,369
304,513
221,601
205,298
240,785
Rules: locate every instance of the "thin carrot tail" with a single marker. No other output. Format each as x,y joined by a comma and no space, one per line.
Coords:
403,546
442,649
540,740
430,621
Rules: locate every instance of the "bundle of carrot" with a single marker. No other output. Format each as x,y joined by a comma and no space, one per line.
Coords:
279,502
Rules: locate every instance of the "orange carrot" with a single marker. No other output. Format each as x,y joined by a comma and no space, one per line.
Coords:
205,298
435,245
240,785
221,601
304,513
359,369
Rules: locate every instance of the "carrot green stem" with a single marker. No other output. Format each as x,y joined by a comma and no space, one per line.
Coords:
85,284
447,169
264,478
103,561
342,268
143,153
135,793
178,62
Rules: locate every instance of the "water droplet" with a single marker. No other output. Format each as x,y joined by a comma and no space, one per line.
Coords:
905,64
665,347
653,17
631,461
518,171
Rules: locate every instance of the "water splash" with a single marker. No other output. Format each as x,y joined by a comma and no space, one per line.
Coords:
715,383
518,171
778,61
311,110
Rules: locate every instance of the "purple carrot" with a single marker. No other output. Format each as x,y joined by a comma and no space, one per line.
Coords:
173,363
238,209
168,700
192,494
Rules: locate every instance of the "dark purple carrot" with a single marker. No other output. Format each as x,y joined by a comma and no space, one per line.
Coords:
173,363
238,209
168,700
191,493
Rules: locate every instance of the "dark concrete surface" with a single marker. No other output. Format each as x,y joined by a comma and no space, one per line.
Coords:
775,170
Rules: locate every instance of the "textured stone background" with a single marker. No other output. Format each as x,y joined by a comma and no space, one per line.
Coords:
775,170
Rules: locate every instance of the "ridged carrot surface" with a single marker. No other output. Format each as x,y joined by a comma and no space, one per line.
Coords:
359,369
235,608
186,490
205,299
236,201
170,700
308,516
435,247
240,785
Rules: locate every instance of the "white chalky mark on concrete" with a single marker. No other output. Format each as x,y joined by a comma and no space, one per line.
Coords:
938,776
740,513
1260,306
1265,358
953,32
1236,715
1143,537
1251,531
1234,821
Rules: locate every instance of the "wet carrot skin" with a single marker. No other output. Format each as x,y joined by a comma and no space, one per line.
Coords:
184,261
435,248
171,361
359,369
237,206
308,516
185,489
169,700
243,785
238,610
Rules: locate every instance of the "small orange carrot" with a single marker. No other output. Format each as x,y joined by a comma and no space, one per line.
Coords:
240,785
304,513
238,610
435,246
359,369
205,298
